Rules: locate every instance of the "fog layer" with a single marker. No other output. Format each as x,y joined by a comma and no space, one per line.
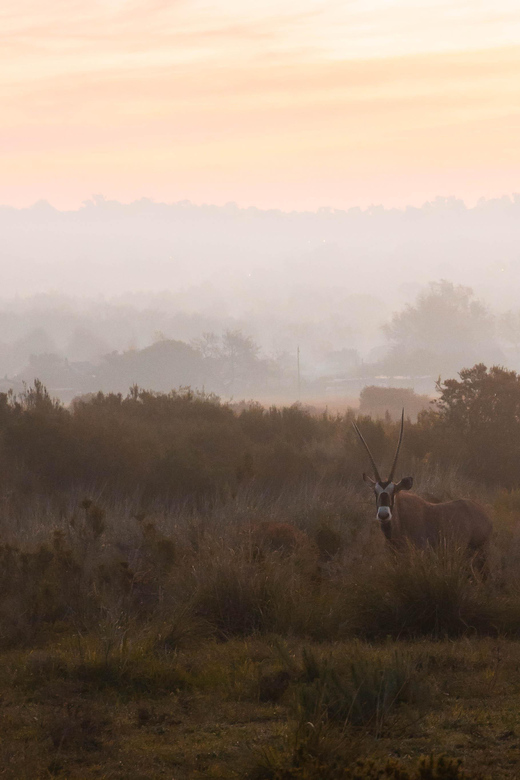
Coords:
363,294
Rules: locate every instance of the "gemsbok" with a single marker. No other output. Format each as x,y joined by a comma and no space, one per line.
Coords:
407,519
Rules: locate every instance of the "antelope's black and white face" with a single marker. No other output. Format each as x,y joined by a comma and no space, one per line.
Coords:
385,493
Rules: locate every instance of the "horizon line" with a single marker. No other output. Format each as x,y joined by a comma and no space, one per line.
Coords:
100,201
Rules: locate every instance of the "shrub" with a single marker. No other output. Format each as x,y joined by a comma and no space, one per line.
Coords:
381,401
430,592
132,676
276,537
179,627
328,540
238,598
38,587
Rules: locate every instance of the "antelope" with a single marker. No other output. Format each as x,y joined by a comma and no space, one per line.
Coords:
406,518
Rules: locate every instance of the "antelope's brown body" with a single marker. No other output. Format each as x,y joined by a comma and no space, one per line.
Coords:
421,523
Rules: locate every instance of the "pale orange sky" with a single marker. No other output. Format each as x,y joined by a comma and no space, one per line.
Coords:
276,104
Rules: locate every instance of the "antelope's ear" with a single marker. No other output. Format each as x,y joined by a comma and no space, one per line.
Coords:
405,484
369,480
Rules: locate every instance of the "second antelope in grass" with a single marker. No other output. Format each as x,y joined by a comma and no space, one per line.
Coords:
406,518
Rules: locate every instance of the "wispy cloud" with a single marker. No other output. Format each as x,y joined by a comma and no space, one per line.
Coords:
149,91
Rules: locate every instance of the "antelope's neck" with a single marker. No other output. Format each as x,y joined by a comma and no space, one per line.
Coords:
396,519
386,527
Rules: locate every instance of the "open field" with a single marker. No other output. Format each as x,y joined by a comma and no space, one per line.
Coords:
220,642
226,710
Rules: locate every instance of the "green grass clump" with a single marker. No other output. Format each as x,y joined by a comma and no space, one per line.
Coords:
97,667
361,693
132,677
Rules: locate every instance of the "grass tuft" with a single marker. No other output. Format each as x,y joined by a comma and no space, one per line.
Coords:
361,693
430,592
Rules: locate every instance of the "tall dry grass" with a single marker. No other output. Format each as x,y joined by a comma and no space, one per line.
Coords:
235,567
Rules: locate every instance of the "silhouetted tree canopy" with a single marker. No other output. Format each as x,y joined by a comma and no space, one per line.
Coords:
480,416
163,365
446,328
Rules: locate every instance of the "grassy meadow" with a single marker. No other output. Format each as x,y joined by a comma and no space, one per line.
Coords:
258,637
224,606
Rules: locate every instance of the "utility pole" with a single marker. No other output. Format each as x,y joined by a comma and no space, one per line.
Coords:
298,370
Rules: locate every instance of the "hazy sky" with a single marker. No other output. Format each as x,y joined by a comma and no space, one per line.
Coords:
287,104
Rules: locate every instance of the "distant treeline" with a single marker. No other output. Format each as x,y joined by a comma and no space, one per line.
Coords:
227,364
108,348
188,445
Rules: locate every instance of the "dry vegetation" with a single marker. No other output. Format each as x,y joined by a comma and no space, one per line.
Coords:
222,642
245,620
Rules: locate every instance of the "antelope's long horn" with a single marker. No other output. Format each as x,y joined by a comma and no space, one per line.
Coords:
390,478
372,461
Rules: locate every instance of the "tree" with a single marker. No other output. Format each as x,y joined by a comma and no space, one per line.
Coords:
509,329
162,366
208,345
241,356
234,358
445,329
479,415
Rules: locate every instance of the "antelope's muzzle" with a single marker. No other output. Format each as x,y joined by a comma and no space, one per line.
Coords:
384,511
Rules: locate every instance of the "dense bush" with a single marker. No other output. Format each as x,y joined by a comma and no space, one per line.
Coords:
188,445
381,401
175,445
429,592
